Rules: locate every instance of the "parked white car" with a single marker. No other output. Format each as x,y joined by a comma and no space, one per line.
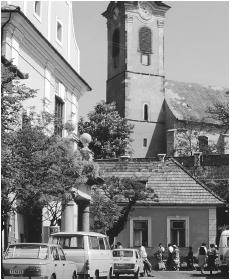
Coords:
90,250
224,251
127,261
38,261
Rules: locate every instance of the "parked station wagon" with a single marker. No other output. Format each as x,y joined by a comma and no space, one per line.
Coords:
127,261
38,261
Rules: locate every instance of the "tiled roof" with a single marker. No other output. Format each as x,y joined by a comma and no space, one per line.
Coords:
190,101
172,184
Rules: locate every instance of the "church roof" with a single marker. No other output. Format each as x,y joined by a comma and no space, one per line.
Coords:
172,184
190,101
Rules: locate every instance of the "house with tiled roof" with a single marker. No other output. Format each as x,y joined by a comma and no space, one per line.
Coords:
184,212
187,105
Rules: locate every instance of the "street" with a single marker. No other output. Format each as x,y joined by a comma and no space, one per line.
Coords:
180,275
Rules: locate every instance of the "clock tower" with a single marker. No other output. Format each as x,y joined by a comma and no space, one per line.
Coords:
135,79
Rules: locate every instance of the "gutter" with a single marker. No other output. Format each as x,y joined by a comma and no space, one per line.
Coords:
50,45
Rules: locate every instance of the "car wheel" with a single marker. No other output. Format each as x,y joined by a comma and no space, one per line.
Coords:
109,275
96,276
136,275
116,275
74,276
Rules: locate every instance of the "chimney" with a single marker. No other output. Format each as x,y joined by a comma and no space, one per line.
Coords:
161,157
197,157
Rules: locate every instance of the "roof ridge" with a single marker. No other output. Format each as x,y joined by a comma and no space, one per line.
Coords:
197,180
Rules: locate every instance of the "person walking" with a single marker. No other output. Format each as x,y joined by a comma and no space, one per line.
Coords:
176,257
159,256
190,261
212,258
202,257
169,259
147,264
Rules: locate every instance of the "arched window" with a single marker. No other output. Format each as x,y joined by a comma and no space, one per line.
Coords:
116,47
145,44
146,112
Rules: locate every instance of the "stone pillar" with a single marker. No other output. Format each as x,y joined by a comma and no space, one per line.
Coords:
85,218
69,221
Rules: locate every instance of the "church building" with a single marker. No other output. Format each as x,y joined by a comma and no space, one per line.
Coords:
136,82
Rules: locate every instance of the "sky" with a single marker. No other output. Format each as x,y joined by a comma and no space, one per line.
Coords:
196,45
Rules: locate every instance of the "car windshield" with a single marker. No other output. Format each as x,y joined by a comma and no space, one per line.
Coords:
123,253
27,251
69,242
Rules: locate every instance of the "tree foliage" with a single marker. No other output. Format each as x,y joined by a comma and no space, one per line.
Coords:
37,167
113,202
110,133
220,112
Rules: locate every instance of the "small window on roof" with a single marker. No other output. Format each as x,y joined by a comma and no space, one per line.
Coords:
37,8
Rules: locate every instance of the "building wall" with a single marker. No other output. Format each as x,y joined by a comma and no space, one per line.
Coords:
200,229
46,23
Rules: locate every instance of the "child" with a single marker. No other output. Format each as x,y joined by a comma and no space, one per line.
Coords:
190,265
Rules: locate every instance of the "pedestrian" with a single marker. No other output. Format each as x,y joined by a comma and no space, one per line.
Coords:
147,264
119,245
159,256
190,261
176,257
202,257
212,258
169,259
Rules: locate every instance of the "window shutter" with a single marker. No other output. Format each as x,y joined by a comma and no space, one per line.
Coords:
145,40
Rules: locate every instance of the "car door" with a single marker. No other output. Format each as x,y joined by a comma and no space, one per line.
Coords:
67,269
56,262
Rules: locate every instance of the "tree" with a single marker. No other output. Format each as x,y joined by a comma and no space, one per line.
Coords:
38,168
220,112
113,201
110,132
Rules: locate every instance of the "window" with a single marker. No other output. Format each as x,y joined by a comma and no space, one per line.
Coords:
93,243
145,44
37,8
101,243
145,142
59,31
146,112
116,47
178,231
107,246
140,230
58,116
61,254
54,252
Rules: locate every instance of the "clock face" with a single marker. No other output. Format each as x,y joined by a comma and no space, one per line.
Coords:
145,10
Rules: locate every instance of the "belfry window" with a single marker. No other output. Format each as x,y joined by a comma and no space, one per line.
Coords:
146,112
145,44
37,8
116,47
